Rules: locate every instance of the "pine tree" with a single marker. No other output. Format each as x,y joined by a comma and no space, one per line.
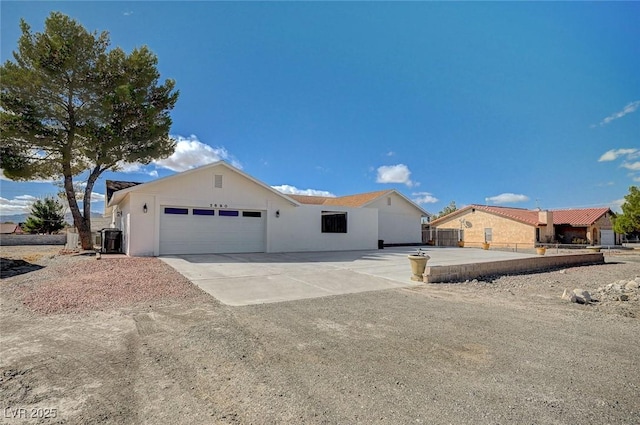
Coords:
71,108
46,217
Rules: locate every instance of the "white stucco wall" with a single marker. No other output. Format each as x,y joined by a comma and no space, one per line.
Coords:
298,228
399,222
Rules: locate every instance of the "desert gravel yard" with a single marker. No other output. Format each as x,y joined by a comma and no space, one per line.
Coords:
130,341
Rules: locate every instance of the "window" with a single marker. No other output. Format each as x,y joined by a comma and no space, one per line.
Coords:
487,234
389,200
170,210
228,213
197,211
251,214
334,222
217,181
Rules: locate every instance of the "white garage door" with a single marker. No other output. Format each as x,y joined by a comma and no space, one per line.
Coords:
607,237
186,230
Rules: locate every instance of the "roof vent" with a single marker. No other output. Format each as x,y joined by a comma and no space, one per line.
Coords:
217,182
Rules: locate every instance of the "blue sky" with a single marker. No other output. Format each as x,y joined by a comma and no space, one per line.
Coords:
517,104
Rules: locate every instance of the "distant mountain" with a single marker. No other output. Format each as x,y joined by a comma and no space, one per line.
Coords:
21,218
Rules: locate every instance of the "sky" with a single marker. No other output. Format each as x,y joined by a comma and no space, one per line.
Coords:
533,104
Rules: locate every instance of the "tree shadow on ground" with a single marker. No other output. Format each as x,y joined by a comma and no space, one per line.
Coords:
10,267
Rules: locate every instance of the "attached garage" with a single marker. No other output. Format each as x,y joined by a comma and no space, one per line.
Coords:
219,209
185,230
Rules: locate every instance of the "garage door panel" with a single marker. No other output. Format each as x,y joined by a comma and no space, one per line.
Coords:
197,234
607,237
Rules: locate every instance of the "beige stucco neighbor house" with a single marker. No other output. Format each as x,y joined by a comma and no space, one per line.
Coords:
504,226
218,208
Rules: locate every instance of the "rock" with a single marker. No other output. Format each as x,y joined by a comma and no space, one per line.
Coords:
566,295
623,297
581,296
563,271
632,285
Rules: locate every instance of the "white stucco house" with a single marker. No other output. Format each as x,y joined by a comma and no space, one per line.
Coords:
218,208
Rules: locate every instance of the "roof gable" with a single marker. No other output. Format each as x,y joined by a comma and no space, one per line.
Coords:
358,200
8,228
116,185
120,194
579,217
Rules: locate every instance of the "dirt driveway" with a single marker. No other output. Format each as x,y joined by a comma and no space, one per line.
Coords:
507,351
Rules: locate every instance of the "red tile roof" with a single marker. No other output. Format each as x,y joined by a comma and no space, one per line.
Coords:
573,217
518,214
341,201
578,217
9,228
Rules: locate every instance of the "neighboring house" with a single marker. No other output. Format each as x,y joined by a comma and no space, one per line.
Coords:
503,226
592,225
218,208
10,229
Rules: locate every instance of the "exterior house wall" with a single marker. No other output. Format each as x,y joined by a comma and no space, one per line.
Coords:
300,229
603,223
297,228
504,231
122,223
398,223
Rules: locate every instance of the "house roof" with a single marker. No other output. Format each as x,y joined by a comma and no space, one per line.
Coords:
115,185
578,217
574,217
354,201
120,194
357,200
8,228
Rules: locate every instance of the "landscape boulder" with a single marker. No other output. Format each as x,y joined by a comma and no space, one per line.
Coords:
579,296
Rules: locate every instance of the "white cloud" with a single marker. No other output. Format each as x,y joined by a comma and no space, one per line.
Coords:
97,197
507,198
631,107
18,205
292,190
613,154
617,205
422,198
633,166
395,174
191,153
391,153
636,179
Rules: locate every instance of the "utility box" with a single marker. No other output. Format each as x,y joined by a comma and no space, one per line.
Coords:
111,241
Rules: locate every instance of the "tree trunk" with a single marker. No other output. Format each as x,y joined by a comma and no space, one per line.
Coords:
81,223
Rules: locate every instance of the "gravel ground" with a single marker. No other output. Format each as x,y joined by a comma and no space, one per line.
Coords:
151,348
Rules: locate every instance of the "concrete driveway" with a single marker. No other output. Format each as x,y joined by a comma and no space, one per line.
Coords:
243,279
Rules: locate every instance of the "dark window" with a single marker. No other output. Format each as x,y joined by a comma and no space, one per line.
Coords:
228,213
202,212
334,222
251,214
169,210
